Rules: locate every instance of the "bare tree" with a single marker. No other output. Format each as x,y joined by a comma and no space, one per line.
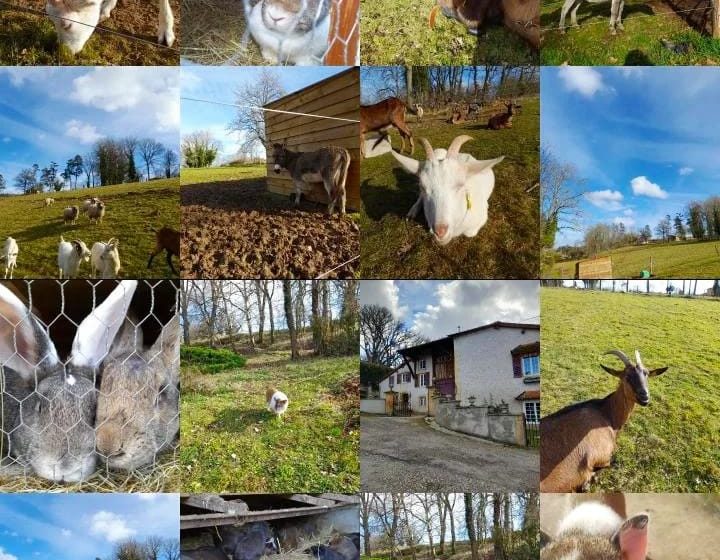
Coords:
382,335
498,544
365,510
150,151
170,549
470,525
561,190
290,318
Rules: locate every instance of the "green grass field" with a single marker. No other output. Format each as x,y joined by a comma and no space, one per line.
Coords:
679,259
232,443
673,445
194,176
506,247
131,210
646,23
398,32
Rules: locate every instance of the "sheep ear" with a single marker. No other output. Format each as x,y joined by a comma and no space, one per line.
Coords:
615,372
632,538
409,164
476,167
24,344
658,371
97,332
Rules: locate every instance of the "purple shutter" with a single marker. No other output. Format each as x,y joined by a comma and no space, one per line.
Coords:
517,365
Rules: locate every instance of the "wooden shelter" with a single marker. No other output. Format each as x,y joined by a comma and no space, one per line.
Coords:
336,96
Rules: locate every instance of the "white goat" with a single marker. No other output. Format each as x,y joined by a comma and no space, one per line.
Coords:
454,189
70,255
9,255
75,20
96,212
105,258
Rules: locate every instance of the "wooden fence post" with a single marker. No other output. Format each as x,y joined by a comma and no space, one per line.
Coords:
716,19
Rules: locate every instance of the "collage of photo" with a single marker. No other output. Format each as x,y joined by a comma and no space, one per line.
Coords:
280,277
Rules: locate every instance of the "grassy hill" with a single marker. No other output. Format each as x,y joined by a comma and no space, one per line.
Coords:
681,259
232,443
673,445
131,210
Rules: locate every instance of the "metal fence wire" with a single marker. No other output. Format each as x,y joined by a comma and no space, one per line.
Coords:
89,379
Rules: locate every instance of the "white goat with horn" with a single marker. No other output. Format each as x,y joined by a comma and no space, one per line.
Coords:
454,189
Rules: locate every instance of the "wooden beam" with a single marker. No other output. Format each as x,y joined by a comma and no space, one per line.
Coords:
198,521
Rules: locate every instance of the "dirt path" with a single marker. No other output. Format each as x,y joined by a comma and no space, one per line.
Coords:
405,454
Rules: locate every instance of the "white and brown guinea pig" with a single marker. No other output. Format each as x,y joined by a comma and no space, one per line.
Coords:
593,531
277,401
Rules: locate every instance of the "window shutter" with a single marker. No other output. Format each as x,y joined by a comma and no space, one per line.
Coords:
517,365
416,379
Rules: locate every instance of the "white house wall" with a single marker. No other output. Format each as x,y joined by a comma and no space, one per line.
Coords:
484,368
409,387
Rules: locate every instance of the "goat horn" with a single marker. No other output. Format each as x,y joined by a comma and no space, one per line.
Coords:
638,359
455,145
429,152
622,356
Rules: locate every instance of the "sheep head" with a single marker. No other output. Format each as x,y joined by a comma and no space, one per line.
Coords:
446,179
74,20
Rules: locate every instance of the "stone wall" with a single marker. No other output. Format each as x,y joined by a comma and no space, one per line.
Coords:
479,421
372,406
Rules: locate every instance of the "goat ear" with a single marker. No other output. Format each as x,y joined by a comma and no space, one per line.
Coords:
632,538
24,345
658,371
615,372
479,166
409,164
96,333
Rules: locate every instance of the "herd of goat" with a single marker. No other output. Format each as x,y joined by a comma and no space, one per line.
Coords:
103,256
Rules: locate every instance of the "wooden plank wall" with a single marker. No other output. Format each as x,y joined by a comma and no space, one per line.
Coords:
337,96
594,269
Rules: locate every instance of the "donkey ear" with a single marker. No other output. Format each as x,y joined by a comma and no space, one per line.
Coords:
632,538
615,372
97,332
24,344
658,371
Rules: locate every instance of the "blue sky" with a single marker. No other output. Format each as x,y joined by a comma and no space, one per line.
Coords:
74,526
645,139
219,84
436,308
51,114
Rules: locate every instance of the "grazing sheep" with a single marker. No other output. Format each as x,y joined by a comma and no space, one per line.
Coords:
9,255
70,256
49,202
105,258
96,212
70,214
168,240
88,202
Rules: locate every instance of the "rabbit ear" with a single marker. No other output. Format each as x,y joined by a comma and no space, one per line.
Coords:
96,333
167,345
24,344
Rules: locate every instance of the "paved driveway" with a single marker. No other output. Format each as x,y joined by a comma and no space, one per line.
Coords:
407,455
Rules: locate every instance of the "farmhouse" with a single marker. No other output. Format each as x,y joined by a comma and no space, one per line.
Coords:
337,96
495,365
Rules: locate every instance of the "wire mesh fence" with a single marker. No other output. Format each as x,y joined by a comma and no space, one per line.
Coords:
273,32
89,385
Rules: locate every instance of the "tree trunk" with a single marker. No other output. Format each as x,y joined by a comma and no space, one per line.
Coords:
410,537
442,511
184,311
290,318
365,520
498,548
260,297
315,316
469,523
450,506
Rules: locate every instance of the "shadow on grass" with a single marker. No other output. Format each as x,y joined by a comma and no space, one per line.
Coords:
234,420
637,58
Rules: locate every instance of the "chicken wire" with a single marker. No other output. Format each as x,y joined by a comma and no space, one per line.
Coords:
217,33
89,385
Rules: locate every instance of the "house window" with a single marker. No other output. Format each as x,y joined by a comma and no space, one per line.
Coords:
531,365
424,379
391,380
422,364
532,411
423,401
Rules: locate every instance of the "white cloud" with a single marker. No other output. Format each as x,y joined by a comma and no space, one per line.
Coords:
629,222
66,532
86,133
110,526
642,186
606,199
685,171
384,293
582,79
628,212
6,139
631,71
6,556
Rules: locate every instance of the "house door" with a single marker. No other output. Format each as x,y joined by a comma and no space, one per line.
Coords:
402,405
444,375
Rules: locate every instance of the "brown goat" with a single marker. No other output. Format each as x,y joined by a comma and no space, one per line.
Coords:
168,240
580,439
522,17
502,120
383,115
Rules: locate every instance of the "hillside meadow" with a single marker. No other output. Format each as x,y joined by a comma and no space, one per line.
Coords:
672,445
680,259
132,209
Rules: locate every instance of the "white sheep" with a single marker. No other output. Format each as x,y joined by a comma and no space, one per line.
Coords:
105,258
9,255
49,202
70,214
70,255
87,203
96,212
455,189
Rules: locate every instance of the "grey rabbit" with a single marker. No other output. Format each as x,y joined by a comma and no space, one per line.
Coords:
137,412
49,406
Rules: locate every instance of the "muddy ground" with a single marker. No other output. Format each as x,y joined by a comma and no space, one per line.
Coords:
236,229
29,38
